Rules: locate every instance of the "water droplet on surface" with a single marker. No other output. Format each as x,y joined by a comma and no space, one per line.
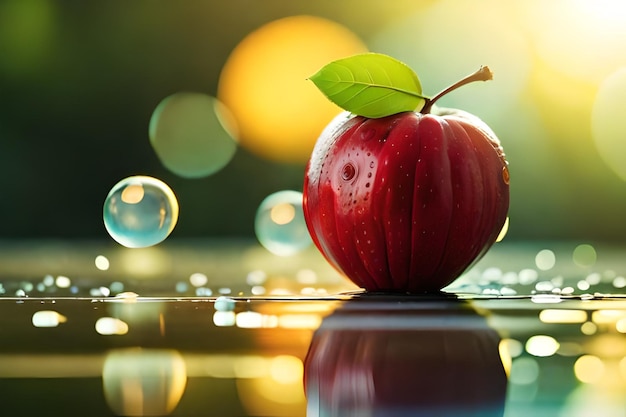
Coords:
140,211
224,304
544,286
280,234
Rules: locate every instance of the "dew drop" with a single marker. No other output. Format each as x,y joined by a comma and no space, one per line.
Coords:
367,134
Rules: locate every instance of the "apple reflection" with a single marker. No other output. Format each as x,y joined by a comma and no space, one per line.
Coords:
405,358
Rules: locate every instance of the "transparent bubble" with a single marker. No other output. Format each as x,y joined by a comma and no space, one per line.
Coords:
140,211
193,134
280,225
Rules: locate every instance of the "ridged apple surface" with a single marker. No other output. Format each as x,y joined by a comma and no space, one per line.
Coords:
407,202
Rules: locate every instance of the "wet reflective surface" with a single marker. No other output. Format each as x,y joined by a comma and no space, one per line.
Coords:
515,343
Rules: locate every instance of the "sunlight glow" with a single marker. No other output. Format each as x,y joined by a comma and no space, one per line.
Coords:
264,83
579,38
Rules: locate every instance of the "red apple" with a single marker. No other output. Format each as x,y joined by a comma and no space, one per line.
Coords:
407,202
405,359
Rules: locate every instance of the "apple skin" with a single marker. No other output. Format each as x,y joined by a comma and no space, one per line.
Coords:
405,359
406,203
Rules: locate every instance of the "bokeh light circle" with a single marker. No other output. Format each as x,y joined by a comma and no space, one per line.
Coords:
579,38
279,223
140,211
608,124
584,255
193,134
264,83
542,345
545,259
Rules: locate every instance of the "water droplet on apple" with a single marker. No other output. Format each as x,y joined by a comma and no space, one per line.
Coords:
367,134
348,171
505,174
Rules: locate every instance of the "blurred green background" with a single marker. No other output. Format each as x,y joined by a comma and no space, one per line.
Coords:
79,83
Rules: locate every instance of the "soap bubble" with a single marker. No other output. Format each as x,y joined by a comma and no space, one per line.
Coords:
140,211
193,134
280,225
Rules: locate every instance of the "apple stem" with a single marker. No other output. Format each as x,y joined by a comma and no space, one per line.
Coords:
483,74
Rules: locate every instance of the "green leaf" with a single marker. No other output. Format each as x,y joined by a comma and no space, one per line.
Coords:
371,85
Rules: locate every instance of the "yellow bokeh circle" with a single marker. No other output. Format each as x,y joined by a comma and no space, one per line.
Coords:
264,83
